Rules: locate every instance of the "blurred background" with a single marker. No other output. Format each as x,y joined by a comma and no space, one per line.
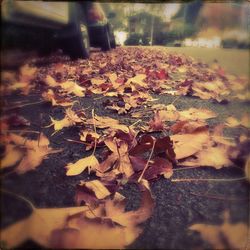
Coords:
191,24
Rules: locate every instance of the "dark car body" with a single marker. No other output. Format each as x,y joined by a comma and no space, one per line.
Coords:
71,26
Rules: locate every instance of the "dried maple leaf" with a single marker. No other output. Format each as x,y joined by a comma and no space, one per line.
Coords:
186,127
12,155
157,124
74,88
97,187
232,122
188,144
247,168
78,167
138,79
51,82
196,114
35,152
56,100
83,231
224,236
107,122
70,119
119,157
38,226
216,157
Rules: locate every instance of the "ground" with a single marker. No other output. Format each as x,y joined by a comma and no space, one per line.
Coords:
178,205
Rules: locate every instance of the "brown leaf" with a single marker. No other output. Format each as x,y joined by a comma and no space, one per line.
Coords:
83,229
38,226
188,144
78,167
35,152
196,114
186,127
12,155
216,157
224,236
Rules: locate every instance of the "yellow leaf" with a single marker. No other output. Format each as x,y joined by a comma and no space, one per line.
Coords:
247,168
96,81
188,144
232,122
138,79
196,114
35,152
97,187
79,166
12,156
224,236
38,226
50,81
216,157
72,87
60,124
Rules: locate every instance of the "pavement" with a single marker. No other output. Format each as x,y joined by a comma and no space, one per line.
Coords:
178,205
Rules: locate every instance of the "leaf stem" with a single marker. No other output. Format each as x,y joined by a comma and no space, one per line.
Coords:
23,105
93,118
133,124
217,197
21,131
146,166
20,197
219,180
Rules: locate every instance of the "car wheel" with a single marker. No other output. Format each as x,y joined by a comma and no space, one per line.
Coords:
105,40
112,43
78,45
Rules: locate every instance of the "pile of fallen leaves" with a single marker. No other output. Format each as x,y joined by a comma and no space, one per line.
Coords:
119,153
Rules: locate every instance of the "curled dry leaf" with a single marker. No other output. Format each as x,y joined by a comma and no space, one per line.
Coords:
32,154
224,236
70,119
78,167
73,88
196,114
216,157
187,127
56,100
188,144
107,122
97,187
12,155
89,230
234,122
38,226
247,168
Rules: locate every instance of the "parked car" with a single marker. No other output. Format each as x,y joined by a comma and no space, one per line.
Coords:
71,26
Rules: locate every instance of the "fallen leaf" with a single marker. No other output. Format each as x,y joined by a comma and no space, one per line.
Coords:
216,157
196,114
224,236
83,231
38,226
12,155
188,144
74,88
78,167
97,187
34,151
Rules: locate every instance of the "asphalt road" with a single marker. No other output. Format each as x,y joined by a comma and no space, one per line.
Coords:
178,204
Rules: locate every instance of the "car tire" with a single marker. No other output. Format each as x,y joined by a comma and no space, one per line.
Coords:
105,40
112,43
77,46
